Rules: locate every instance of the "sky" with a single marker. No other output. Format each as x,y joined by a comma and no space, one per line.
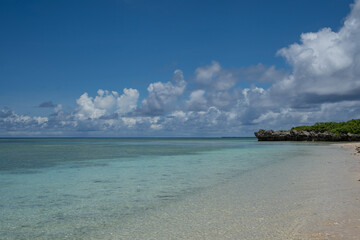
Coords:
136,68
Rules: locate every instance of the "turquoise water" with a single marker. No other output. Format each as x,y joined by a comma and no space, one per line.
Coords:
78,188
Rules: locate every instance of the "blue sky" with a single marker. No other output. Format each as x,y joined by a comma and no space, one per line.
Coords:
55,51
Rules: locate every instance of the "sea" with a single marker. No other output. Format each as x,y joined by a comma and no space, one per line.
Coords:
159,188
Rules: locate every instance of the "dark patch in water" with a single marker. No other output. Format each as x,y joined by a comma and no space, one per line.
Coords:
99,164
24,171
24,156
67,195
25,226
60,216
102,181
166,197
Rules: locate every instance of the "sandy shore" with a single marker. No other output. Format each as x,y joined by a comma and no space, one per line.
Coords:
346,225
309,197
352,147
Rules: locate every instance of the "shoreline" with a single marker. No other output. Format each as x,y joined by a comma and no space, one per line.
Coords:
297,191
346,225
314,200
351,147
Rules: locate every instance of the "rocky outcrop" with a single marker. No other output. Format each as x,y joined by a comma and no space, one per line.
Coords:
293,135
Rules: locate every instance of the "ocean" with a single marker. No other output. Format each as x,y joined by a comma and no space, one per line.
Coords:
157,188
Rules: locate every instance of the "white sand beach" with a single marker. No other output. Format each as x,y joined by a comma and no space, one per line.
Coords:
342,222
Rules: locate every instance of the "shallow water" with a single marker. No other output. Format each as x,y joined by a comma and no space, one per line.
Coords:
153,188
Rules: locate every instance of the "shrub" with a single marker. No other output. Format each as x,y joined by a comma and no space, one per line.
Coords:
352,126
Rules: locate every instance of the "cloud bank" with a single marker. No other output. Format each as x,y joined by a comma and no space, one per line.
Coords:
323,85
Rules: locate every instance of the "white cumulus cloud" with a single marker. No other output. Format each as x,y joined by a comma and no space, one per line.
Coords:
162,96
326,63
106,103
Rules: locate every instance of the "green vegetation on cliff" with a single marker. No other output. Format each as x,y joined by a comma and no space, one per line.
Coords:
352,126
